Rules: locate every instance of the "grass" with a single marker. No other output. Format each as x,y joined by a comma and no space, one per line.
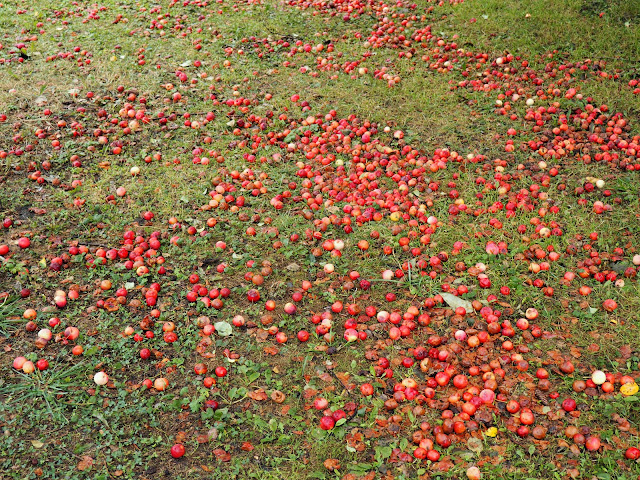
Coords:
57,423
10,318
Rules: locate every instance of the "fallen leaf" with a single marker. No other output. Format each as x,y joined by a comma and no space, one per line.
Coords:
258,395
625,351
309,393
455,302
85,464
223,328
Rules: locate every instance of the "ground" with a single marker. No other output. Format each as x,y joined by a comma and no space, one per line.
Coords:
319,239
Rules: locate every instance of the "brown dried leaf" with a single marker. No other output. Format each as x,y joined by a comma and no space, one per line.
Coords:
309,393
370,433
85,464
625,351
262,335
258,395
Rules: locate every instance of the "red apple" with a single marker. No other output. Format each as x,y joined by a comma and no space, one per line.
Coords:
177,450
327,423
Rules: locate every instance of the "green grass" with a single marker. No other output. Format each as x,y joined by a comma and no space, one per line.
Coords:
55,423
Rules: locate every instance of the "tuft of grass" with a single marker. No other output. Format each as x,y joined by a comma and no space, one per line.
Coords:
10,316
48,387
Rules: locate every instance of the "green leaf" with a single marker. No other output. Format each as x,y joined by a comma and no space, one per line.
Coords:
361,468
224,329
195,404
273,425
91,351
404,443
207,414
383,453
319,434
